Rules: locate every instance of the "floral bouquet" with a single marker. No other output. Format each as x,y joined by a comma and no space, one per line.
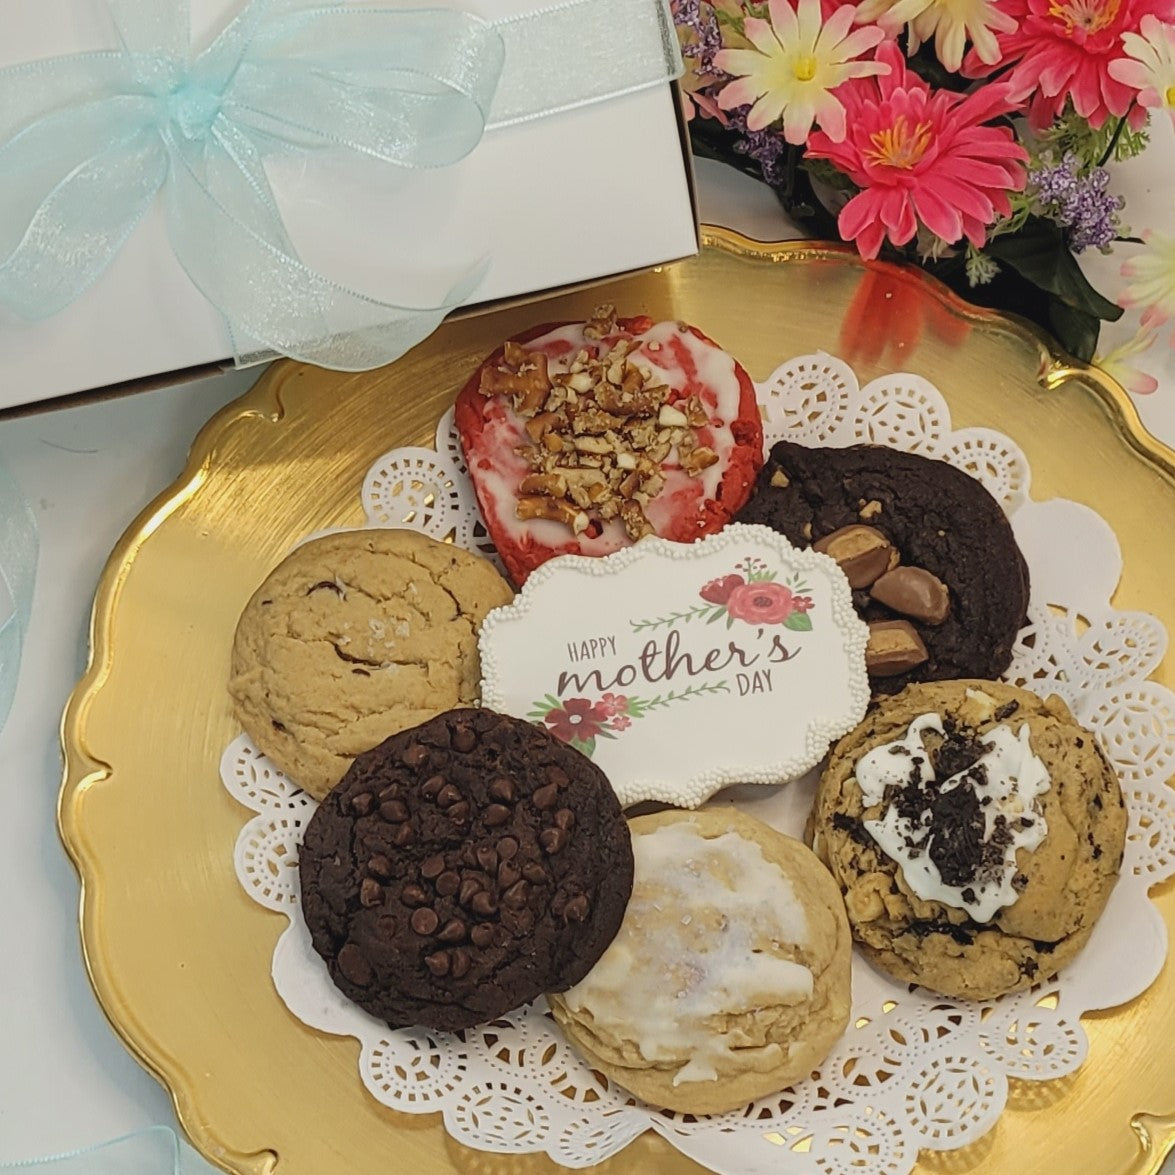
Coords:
973,137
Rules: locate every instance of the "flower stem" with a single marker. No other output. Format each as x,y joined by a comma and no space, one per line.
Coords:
1114,139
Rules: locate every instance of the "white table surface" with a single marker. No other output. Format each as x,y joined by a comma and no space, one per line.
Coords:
66,1081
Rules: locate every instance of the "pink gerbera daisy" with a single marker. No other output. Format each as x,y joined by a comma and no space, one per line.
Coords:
921,156
1063,49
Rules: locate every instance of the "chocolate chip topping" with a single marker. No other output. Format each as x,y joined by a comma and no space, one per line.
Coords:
504,851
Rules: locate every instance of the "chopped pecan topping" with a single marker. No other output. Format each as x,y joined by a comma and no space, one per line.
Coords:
522,374
599,432
602,322
556,510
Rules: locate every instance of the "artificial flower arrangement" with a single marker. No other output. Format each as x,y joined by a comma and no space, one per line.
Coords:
970,136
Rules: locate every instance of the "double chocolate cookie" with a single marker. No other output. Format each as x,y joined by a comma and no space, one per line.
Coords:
930,556
462,868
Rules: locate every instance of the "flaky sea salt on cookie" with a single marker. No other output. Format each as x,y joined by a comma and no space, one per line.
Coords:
681,668
729,978
353,637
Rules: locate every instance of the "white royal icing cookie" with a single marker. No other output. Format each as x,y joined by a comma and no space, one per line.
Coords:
682,668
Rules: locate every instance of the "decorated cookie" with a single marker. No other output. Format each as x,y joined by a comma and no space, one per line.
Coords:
730,976
462,868
355,636
930,555
680,669
582,438
976,832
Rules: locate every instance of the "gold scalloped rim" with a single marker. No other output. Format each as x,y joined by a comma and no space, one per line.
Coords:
1156,1133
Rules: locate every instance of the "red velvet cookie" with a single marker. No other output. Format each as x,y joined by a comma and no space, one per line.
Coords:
583,437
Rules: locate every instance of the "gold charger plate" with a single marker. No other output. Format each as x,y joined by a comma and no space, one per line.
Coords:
180,957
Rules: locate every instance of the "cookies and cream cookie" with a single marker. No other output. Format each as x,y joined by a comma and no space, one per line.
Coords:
929,553
583,437
462,868
353,637
729,977
976,831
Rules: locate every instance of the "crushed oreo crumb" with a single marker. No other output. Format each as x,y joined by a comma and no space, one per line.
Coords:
1007,710
959,750
957,846
852,828
964,933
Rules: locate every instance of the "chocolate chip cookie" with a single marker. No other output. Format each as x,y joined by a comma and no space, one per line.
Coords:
353,637
976,831
929,554
462,868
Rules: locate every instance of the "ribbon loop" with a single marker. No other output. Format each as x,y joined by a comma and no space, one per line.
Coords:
89,140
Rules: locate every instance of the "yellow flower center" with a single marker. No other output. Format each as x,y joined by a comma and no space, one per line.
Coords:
900,145
805,68
1091,16
1169,96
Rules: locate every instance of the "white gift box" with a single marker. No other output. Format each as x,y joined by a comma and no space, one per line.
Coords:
564,199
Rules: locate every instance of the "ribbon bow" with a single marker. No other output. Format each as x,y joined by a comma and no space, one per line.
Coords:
88,141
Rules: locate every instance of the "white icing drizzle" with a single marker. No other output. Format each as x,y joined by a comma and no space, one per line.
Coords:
696,943
653,350
1010,778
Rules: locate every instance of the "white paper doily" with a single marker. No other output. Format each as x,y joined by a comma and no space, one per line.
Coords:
914,1071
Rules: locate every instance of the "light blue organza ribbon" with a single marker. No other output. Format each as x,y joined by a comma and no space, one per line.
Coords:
153,1151
88,141
18,568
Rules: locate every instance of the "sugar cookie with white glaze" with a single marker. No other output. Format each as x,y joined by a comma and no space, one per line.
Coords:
729,978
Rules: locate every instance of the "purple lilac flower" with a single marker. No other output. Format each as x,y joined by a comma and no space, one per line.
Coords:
699,16
1078,202
767,148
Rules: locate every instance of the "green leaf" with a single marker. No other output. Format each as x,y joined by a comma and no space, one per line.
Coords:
1039,253
719,612
585,746
729,620
1076,330
799,622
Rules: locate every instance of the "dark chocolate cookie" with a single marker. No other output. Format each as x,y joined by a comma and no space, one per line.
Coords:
462,868
931,557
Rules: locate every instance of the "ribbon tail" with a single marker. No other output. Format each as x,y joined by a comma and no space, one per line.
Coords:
18,572
153,1151
230,241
